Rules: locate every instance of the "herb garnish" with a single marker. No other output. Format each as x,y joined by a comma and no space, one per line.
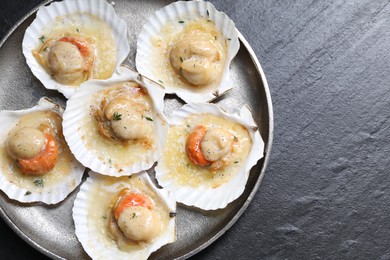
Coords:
38,182
160,81
134,215
27,193
181,21
109,161
208,14
236,162
42,38
117,116
77,29
148,118
181,59
229,39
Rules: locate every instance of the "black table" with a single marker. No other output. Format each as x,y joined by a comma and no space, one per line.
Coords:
327,187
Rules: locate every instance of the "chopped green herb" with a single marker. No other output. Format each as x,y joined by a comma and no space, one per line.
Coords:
38,182
229,39
236,162
109,161
188,126
117,116
235,138
172,214
148,118
181,59
77,29
208,14
44,49
27,193
104,217
160,81
208,20
42,38
134,215
181,21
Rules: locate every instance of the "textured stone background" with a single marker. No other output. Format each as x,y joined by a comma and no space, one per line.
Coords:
326,192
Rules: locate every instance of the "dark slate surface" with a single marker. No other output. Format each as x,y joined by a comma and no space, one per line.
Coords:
326,192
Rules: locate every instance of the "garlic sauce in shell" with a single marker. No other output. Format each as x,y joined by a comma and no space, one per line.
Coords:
74,41
209,154
185,172
192,58
116,127
49,187
101,135
188,46
92,214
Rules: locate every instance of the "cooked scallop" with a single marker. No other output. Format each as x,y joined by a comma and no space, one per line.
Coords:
122,217
117,127
35,161
68,63
188,47
74,41
197,58
25,143
208,155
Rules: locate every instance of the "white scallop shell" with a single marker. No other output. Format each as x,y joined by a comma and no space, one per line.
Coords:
189,10
89,235
209,198
49,194
78,108
46,16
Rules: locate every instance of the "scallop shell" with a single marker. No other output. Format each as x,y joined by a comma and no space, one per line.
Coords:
46,15
189,10
206,197
78,109
90,236
49,194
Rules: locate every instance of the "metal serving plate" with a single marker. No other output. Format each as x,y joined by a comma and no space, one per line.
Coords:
50,229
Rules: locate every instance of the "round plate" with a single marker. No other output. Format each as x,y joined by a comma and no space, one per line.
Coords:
50,229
